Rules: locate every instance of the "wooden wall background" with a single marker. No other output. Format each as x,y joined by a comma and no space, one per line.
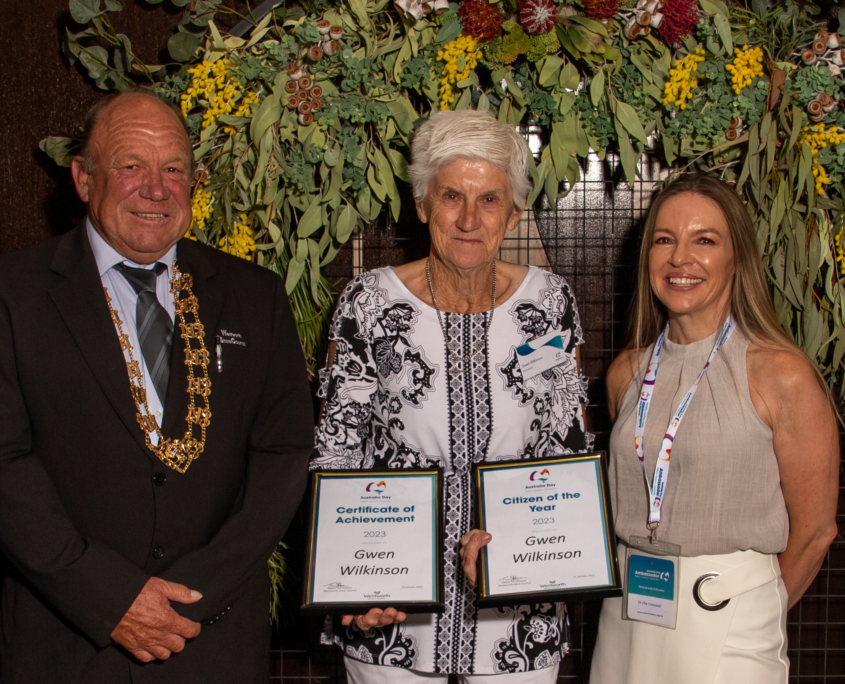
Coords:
43,95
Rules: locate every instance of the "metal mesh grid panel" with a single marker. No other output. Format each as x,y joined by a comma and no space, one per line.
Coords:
590,237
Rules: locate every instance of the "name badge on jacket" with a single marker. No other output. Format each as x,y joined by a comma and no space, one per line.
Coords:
541,354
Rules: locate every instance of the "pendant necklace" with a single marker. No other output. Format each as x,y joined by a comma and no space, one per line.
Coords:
458,361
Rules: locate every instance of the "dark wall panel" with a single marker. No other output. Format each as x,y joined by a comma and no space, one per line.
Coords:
43,95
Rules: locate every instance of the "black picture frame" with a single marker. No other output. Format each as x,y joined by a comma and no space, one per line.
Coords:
437,605
488,599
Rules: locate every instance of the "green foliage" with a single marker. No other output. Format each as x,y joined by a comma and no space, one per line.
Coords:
304,188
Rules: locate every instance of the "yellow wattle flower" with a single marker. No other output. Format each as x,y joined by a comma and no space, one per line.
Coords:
682,82
462,46
817,138
241,242
745,67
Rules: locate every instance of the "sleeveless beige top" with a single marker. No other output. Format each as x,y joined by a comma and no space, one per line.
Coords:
724,492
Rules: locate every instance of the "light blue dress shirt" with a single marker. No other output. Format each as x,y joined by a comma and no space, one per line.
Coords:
124,301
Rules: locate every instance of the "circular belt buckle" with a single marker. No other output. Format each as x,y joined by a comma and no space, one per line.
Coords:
696,593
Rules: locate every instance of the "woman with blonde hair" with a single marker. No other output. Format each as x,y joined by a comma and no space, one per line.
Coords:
724,457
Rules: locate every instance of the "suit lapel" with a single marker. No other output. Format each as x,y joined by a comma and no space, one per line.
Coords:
211,298
82,304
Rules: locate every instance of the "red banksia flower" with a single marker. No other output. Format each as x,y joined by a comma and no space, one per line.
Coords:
480,19
537,16
680,17
601,9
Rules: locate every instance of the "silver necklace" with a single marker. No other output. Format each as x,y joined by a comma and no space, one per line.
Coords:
458,360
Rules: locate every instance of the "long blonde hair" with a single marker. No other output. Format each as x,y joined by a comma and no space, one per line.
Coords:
750,303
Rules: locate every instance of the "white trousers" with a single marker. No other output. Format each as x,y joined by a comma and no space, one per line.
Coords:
365,673
743,643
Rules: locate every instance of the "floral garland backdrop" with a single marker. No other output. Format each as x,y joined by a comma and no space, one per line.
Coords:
301,130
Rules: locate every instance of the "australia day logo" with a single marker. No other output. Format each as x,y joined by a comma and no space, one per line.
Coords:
376,487
539,475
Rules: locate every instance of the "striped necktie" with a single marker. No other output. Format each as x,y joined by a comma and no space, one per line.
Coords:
155,328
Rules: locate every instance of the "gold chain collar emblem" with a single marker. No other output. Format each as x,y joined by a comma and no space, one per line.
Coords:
175,453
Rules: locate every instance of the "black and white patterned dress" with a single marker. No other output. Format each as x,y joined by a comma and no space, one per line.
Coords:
391,401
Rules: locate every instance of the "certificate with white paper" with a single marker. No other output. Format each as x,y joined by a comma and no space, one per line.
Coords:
375,541
552,530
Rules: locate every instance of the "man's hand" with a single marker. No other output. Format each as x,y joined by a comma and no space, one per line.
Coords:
471,544
374,618
151,629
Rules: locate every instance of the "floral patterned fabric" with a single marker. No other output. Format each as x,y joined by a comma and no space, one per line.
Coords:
394,400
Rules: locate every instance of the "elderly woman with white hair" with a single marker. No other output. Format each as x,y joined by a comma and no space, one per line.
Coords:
423,371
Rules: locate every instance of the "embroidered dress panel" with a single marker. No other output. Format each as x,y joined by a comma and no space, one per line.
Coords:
392,402
724,494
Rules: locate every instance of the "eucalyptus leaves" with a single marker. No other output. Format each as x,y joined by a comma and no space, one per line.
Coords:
303,136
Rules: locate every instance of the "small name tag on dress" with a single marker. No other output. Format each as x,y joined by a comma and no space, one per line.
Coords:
540,355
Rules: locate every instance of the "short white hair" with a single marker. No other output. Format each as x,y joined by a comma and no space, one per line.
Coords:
469,134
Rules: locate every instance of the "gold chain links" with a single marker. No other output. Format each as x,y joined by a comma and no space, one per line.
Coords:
175,453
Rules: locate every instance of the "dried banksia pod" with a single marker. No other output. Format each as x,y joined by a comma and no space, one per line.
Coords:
315,53
306,119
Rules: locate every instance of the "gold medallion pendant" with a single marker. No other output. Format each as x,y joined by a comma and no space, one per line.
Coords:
177,454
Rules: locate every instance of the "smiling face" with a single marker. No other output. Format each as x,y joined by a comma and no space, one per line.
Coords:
691,259
469,208
139,192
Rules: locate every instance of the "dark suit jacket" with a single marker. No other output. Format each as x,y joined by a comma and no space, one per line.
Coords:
85,514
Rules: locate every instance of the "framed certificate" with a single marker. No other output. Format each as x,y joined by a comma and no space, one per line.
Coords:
552,531
375,541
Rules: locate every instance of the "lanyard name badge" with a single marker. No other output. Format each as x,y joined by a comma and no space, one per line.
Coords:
651,589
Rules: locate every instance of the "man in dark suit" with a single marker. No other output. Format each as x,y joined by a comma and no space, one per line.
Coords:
137,538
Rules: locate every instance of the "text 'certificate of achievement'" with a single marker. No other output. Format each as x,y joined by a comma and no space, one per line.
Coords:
552,530
375,541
